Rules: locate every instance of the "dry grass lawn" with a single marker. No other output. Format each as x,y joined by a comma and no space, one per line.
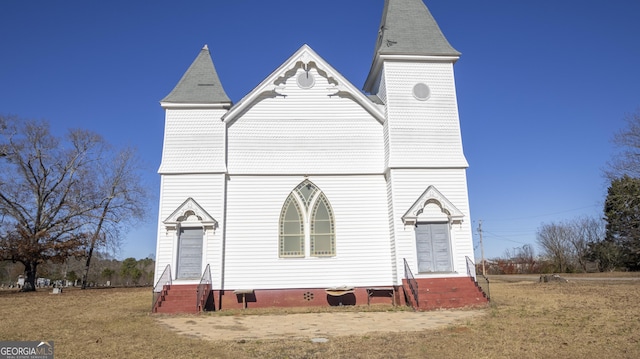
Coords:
579,319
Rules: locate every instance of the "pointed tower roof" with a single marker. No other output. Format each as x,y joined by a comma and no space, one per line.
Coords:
408,28
199,85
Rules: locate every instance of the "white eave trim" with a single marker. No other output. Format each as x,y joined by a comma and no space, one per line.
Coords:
213,106
380,59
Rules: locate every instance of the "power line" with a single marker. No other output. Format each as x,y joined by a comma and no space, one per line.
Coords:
542,215
504,238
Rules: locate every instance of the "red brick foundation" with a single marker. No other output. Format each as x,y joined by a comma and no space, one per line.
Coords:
306,297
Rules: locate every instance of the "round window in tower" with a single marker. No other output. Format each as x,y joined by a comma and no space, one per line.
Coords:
305,80
421,91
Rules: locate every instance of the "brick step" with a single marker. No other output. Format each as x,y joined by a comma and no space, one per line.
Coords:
449,290
464,291
173,296
449,295
175,287
187,308
182,290
177,305
447,285
177,298
445,293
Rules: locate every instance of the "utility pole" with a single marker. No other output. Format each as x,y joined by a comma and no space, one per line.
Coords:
481,247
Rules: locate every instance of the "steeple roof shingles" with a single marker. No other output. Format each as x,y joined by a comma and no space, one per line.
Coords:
408,28
200,84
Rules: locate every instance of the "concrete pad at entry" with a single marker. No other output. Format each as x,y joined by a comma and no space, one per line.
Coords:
311,325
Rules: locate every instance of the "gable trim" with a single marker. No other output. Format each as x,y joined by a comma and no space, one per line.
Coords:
305,56
176,219
432,195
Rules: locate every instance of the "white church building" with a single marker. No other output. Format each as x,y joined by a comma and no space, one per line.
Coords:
310,191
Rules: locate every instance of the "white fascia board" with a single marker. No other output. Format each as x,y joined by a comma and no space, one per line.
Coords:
181,172
212,106
306,55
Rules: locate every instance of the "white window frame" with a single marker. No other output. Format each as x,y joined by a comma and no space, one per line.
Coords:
307,209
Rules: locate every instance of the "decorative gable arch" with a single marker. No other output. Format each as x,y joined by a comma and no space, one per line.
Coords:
303,60
432,196
190,213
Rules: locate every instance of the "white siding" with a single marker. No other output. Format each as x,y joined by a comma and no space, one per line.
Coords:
407,186
208,192
361,225
193,142
305,131
422,133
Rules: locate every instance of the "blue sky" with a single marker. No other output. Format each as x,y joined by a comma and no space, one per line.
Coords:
542,85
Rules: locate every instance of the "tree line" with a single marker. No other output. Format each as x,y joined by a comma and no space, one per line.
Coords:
105,271
63,197
607,243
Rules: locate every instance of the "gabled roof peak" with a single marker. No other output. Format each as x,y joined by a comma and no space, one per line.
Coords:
200,84
304,58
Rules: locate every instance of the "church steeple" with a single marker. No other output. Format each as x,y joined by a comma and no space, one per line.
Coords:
199,85
407,28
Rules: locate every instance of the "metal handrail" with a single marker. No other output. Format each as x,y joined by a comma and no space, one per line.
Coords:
471,268
204,289
165,279
411,280
479,279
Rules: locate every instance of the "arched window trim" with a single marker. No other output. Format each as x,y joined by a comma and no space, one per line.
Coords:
307,207
291,200
322,199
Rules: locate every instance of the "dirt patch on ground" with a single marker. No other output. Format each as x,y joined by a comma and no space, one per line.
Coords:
312,325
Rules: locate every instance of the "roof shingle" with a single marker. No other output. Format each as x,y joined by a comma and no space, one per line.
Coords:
408,28
200,84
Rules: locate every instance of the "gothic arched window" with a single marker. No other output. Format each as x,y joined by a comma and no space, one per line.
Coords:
306,223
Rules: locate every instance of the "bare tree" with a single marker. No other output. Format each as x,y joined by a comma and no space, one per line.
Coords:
52,194
43,183
587,230
518,260
627,160
568,244
555,241
121,199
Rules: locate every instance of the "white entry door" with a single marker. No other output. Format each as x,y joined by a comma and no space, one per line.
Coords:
189,253
433,247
